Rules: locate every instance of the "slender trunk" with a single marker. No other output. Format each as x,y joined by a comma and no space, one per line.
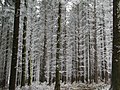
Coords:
43,65
57,84
95,47
30,60
24,54
23,78
104,42
76,59
90,64
64,51
78,37
6,60
1,40
30,73
51,55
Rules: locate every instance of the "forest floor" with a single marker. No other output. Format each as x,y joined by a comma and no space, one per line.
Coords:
68,86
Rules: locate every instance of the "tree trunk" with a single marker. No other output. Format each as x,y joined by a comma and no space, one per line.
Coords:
6,60
57,84
23,78
51,55
43,65
30,61
95,47
116,46
30,49
64,51
78,52
15,46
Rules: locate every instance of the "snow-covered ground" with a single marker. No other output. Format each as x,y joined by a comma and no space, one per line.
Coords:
68,86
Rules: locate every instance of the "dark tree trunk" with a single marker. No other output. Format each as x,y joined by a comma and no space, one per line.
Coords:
23,78
95,47
78,52
57,84
116,46
24,55
15,46
30,61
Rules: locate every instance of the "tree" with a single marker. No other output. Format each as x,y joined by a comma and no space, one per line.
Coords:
64,46
43,65
95,46
23,78
15,46
6,61
30,44
116,46
57,84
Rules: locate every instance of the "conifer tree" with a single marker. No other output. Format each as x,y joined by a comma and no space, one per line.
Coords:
116,46
15,46
23,78
57,84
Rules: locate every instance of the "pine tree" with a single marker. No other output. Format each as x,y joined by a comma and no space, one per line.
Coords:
15,46
57,84
64,51
116,45
43,69
23,78
95,47
6,60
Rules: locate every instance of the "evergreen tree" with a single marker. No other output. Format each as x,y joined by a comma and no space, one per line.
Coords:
95,46
15,46
57,84
23,78
116,45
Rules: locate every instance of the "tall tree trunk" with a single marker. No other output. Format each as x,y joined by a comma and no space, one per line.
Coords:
15,46
6,61
23,78
43,65
30,60
78,37
30,73
1,40
29,68
76,54
64,51
90,63
104,42
116,46
51,54
95,47
57,84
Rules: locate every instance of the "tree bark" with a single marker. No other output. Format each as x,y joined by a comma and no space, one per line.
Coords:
43,69
15,46
57,84
6,61
95,47
23,78
116,46
64,51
